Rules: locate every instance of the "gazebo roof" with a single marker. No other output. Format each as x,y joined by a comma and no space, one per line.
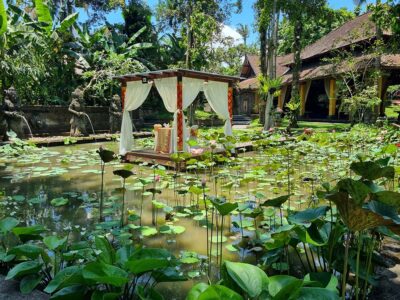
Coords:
178,72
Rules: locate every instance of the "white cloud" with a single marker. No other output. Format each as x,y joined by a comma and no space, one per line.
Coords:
228,31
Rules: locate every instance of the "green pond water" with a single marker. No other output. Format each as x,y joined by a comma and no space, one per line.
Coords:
28,184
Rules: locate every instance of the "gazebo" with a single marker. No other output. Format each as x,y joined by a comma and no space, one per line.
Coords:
178,89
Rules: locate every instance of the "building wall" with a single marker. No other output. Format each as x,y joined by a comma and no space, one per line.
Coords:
248,102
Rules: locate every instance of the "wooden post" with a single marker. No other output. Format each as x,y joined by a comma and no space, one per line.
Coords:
332,98
230,102
179,105
123,93
280,99
302,98
382,89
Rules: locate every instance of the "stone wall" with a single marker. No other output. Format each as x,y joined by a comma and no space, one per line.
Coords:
54,120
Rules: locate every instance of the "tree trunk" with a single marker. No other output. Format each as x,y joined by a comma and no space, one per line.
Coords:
377,64
269,120
295,96
188,63
263,67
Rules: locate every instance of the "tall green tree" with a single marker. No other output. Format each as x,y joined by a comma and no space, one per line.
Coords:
110,53
3,18
244,31
137,14
299,12
267,21
197,23
193,20
315,28
38,54
97,9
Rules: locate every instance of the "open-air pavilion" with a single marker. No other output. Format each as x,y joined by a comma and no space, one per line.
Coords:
178,89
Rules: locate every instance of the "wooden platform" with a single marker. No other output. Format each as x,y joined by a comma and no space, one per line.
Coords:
164,159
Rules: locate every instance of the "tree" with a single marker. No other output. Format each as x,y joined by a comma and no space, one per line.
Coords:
38,54
192,20
97,9
356,77
243,30
385,15
358,104
299,12
198,22
315,28
118,54
267,19
137,15
228,58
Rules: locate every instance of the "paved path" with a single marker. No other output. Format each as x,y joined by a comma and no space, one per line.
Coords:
389,282
9,289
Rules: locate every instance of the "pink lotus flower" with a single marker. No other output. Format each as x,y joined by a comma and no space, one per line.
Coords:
157,178
196,151
308,131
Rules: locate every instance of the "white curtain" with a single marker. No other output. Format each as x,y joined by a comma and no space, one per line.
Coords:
167,88
190,89
136,94
327,87
217,95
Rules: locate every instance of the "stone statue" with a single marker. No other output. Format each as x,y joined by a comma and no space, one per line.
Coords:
78,119
10,118
115,112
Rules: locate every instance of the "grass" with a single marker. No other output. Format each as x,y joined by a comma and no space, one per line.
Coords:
392,111
318,126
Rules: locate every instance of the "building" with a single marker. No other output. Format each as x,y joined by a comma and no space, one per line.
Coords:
319,78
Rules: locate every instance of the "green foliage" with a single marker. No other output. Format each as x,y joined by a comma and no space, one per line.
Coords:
315,28
359,103
43,14
3,18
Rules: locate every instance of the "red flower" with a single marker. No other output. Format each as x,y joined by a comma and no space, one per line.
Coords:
398,145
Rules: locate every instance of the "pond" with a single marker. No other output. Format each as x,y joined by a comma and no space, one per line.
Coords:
59,187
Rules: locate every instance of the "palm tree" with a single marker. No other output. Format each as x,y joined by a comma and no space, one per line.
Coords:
243,30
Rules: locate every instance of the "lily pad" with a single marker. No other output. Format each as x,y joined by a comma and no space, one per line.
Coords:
61,201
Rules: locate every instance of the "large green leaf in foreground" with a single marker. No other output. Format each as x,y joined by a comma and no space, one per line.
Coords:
3,18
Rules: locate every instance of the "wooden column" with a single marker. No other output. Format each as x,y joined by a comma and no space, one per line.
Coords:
179,105
280,100
332,98
382,89
302,98
123,93
230,102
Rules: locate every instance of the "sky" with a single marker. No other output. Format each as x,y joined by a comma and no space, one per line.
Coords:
245,17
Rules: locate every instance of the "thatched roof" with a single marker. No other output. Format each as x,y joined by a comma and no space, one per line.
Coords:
253,61
355,31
